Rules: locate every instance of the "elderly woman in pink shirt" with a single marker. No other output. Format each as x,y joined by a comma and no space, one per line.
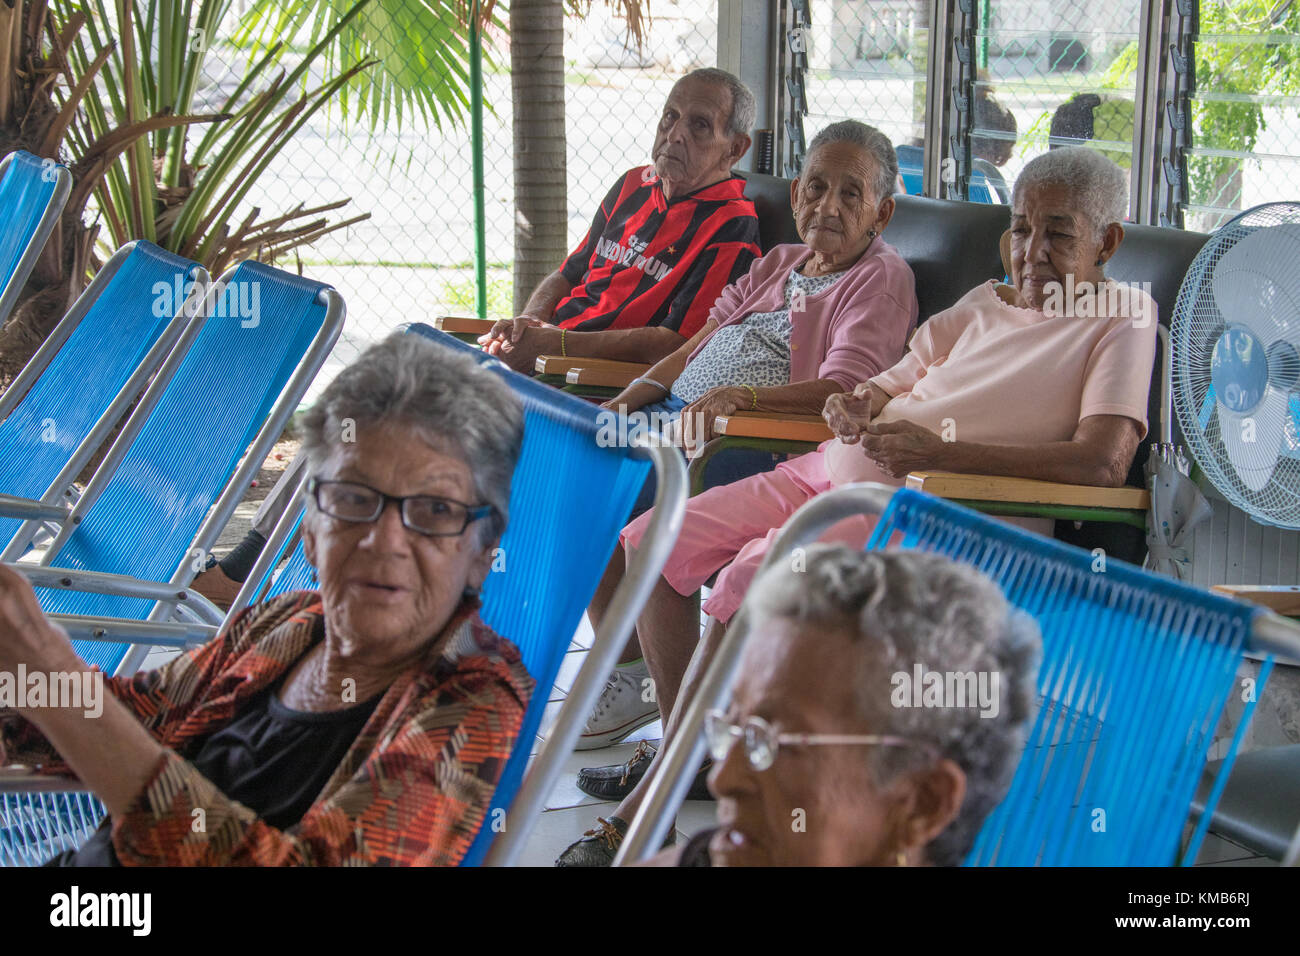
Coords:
808,321
1047,378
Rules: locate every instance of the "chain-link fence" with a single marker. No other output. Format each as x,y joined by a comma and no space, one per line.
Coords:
414,256
867,61
1245,109
1054,72
1064,72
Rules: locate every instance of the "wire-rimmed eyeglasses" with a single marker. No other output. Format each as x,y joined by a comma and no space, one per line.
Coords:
762,742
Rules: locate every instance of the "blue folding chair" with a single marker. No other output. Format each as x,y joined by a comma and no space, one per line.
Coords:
543,545
144,525
62,406
1135,673
33,192
157,502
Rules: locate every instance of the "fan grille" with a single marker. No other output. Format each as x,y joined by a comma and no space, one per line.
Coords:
1199,320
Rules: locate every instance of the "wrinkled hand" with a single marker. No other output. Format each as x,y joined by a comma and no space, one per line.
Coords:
697,417
902,447
27,636
848,413
520,352
507,331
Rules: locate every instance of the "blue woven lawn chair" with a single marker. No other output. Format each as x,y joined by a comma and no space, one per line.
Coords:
32,194
170,483
1136,671
543,545
84,377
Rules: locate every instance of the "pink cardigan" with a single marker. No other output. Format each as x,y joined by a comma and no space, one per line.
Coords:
849,332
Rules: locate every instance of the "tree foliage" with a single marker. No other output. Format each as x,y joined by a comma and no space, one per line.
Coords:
1247,48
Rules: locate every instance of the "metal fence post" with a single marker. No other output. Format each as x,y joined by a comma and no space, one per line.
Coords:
476,140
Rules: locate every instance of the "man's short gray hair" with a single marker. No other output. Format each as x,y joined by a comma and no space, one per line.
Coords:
741,120
1095,183
447,401
872,140
908,608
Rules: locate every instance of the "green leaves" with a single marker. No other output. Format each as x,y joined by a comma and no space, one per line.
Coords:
129,111
421,48
1247,51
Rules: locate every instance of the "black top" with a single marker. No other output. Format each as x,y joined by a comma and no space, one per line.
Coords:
273,760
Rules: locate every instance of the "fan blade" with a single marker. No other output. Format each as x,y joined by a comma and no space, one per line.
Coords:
1291,431
1207,408
1254,441
1257,285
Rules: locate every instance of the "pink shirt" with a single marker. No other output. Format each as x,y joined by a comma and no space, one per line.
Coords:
985,371
849,332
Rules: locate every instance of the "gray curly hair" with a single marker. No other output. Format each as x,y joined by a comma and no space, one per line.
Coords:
448,401
907,608
1098,186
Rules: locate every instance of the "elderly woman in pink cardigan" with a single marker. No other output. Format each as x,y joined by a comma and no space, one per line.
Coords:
808,321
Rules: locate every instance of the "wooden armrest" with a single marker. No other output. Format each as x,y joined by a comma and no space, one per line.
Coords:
608,377
560,365
1284,599
947,484
811,428
452,324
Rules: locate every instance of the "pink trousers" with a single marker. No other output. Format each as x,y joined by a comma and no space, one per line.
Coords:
732,527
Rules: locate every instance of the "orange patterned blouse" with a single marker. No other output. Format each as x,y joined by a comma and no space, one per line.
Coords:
412,791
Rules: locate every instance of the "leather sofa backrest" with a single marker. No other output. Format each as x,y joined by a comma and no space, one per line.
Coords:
771,198
951,246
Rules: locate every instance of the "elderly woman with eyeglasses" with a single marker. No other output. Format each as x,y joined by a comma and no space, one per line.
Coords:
366,723
824,758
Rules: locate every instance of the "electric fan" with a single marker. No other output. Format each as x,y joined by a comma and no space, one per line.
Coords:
1235,346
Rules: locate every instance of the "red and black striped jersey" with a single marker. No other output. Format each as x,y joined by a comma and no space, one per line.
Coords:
650,262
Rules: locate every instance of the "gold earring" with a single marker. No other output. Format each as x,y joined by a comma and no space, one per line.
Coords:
901,858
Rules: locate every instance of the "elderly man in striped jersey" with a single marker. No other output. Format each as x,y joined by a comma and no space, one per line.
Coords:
665,242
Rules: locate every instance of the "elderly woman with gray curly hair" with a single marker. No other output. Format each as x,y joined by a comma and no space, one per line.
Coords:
829,755
366,723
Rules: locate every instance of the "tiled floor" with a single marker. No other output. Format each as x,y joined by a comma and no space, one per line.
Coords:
569,811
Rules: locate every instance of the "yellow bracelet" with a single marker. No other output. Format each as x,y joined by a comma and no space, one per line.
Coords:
563,353
755,394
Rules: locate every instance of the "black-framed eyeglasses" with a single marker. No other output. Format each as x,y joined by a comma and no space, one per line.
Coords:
762,742
425,514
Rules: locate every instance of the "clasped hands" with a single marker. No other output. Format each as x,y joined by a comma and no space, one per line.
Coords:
898,448
519,341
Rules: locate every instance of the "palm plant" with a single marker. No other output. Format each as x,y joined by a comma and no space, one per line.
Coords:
121,114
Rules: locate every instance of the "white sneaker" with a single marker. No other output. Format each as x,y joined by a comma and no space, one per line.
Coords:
620,709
